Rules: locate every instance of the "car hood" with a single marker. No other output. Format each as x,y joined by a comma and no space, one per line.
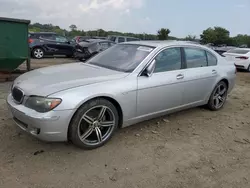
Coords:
49,80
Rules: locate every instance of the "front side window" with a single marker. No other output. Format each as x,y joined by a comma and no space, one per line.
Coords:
121,39
121,57
212,60
195,57
168,60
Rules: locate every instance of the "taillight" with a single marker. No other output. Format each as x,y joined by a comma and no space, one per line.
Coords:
241,57
30,40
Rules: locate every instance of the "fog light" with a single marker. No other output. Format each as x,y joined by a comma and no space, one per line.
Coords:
34,131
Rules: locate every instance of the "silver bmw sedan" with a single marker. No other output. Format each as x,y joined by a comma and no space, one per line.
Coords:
128,83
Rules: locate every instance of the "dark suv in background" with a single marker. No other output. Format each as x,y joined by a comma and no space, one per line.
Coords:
47,43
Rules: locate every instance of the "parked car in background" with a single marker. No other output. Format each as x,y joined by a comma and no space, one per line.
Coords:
240,56
126,84
119,39
47,43
78,39
96,37
243,46
88,48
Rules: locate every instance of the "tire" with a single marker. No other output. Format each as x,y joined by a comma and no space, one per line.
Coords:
218,96
89,128
248,69
38,53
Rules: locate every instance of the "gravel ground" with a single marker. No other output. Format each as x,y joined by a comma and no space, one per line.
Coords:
196,148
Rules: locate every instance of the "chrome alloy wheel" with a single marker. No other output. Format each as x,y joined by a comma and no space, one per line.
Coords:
220,96
96,125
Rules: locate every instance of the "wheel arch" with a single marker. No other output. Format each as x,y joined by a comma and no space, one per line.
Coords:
110,99
224,80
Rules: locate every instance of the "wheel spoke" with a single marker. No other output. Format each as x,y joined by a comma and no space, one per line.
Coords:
87,133
223,91
217,102
98,134
107,123
221,99
88,119
102,113
219,89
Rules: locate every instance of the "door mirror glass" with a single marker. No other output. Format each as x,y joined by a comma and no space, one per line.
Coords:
150,69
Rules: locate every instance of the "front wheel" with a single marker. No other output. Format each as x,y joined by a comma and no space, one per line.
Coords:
93,124
218,96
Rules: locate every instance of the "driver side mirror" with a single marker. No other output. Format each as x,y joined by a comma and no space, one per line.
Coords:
150,69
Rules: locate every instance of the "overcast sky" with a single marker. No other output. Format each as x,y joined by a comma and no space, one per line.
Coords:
182,17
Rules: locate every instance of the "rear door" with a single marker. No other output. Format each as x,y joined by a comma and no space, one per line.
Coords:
200,75
63,45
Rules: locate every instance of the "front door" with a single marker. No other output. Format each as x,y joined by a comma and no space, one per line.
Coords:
163,90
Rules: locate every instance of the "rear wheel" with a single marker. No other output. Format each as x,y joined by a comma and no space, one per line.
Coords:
248,69
218,96
38,53
93,124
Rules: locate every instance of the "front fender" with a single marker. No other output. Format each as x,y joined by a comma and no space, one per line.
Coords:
123,91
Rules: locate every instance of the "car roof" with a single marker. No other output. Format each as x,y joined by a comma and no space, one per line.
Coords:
162,43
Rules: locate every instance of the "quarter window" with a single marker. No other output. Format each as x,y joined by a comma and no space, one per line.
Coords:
168,60
212,60
195,57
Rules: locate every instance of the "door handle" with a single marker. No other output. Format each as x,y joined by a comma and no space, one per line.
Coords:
179,76
214,72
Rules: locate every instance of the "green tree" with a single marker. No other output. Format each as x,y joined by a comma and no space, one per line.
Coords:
191,38
216,35
241,40
163,33
73,27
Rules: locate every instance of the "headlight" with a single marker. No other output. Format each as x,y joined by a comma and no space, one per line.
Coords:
42,104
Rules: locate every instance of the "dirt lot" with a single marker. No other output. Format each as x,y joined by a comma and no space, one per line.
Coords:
196,148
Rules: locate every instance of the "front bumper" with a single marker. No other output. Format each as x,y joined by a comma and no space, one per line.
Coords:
51,126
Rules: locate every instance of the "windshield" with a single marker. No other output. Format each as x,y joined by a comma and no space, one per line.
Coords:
122,57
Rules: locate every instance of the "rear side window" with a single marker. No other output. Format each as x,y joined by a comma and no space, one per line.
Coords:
195,57
238,51
121,39
47,36
212,60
